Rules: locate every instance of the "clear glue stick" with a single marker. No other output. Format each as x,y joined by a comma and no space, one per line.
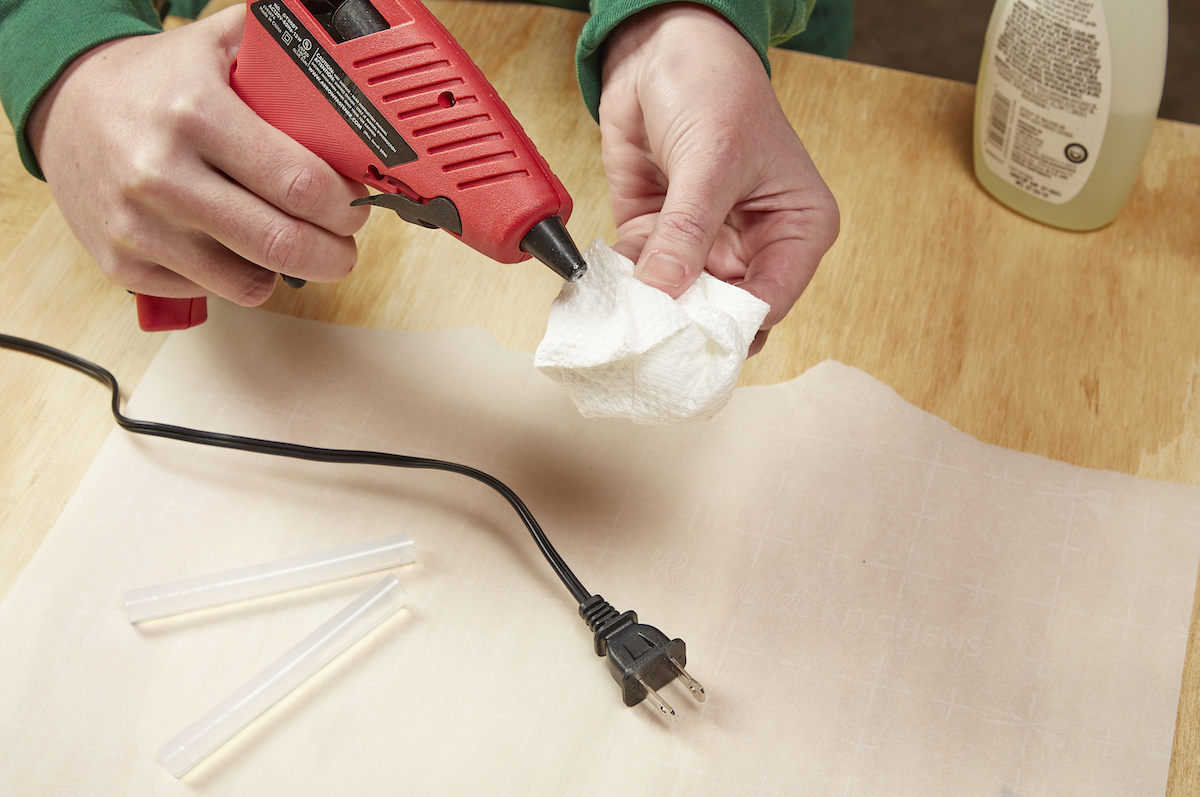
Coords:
1067,96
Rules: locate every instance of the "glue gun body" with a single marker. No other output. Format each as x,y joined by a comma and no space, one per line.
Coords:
381,92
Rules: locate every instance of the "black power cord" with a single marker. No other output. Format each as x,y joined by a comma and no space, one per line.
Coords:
641,659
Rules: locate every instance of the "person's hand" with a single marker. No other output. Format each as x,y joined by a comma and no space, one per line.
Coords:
704,170
174,185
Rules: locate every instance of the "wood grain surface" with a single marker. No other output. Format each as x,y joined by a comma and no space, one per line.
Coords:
1083,347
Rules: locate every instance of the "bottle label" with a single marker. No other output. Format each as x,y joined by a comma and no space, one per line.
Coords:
1046,95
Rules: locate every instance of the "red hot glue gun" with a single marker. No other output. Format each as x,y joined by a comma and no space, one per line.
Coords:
382,92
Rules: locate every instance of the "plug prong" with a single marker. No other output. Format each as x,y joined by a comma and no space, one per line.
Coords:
692,684
656,700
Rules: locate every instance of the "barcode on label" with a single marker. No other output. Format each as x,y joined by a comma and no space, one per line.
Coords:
998,121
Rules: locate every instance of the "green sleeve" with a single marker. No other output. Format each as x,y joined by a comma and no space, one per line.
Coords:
764,24
38,38
189,9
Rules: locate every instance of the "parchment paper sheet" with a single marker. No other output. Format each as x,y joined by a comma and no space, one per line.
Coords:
877,603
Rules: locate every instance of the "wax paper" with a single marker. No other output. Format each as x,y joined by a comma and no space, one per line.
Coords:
875,602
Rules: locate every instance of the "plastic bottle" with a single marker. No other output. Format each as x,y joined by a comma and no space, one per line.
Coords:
1067,96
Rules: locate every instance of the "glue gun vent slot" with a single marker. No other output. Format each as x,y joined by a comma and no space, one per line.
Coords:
485,160
400,74
425,88
496,178
455,125
393,54
462,143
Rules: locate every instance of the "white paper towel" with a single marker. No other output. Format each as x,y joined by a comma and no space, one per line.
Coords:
624,349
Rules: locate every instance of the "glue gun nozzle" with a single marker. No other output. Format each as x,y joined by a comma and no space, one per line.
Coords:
550,243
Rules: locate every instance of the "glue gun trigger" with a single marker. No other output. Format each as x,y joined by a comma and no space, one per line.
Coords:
437,212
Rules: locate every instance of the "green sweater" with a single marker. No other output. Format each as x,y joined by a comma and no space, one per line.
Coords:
35,45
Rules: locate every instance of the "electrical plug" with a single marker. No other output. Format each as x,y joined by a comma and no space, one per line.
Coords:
641,659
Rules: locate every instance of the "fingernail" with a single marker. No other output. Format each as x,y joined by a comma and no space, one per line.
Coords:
662,269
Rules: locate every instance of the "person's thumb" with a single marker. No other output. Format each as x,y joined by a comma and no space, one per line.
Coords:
678,246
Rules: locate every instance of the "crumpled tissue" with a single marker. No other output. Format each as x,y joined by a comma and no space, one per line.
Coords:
624,349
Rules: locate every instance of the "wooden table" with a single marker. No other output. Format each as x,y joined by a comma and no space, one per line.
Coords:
1080,347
